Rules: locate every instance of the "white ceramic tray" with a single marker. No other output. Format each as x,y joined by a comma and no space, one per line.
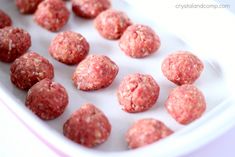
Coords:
174,33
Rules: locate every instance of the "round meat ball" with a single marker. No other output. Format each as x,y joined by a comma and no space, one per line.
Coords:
52,15
27,6
87,126
139,41
112,23
29,69
5,20
95,72
89,8
47,99
138,93
182,67
69,47
13,43
146,131
186,103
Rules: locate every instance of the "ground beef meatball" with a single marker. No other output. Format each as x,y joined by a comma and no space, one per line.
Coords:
52,15
112,23
87,126
5,20
29,69
182,67
27,6
185,103
139,41
47,99
95,72
13,43
138,92
89,8
146,131
69,47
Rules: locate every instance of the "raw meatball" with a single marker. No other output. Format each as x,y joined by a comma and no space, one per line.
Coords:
87,126
146,131
13,43
95,72
89,8
185,104
182,67
139,41
5,20
52,15
47,99
112,23
69,47
138,93
27,6
30,69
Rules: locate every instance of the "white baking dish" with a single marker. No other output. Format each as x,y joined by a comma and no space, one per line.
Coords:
194,30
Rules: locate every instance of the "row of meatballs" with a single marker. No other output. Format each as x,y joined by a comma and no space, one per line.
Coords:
110,23
137,92
53,14
136,40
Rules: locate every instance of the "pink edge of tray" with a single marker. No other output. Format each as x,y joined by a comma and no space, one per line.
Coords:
43,140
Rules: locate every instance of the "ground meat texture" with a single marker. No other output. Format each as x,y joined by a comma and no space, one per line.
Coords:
47,99
13,43
89,8
182,67
139,41
30,69
112,23
146,131
69,47
95,72
52,15
138,93
185,104
5,20
87,126
27,6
